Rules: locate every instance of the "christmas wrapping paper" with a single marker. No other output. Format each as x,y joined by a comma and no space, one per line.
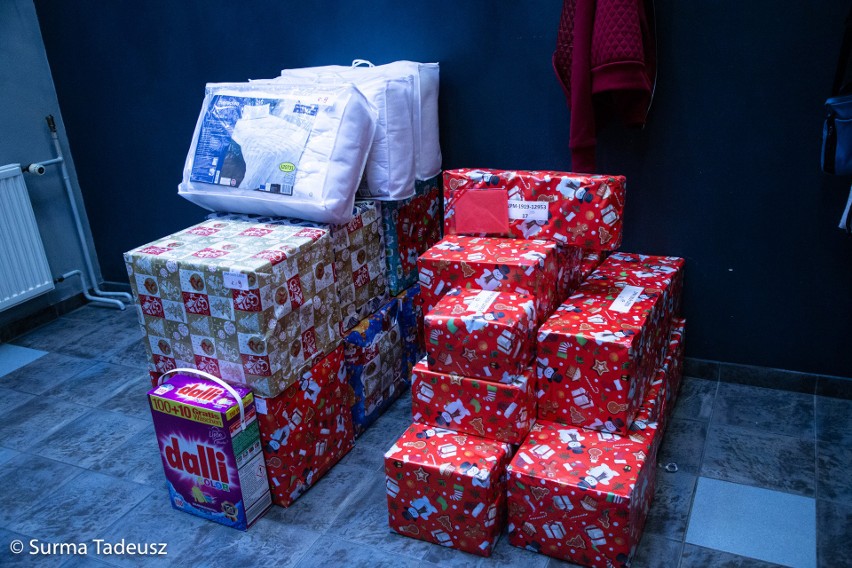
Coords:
447,488
503,411
375,364
493,264
590,261
669,376
597,354
250,303
579,495
569,270
573,209
306,429
481,334
410,227
411,325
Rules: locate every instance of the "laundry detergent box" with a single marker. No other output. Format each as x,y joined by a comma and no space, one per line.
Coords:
210,445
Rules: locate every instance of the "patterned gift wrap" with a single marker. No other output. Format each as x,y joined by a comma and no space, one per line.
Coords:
590,261
447,488
411,326
375,364
569,270
572,209
481,334
581,496
493,264
248,302
669,376
410,227
306,429
503,411
597,354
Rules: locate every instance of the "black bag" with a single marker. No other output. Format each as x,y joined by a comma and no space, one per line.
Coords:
837,131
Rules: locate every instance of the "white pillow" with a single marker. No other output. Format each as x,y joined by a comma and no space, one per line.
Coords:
295,150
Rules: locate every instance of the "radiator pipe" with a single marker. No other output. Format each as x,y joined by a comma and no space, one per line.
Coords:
111,301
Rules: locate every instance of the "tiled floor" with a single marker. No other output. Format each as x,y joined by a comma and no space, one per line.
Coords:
761,472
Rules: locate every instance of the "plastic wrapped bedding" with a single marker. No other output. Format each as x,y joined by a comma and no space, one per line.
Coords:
427,147
296,150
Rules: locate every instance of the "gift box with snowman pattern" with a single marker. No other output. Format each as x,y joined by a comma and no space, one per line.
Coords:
447,488
411,325
590,261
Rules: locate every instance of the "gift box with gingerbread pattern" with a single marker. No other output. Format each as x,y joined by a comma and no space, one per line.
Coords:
596,355
411,325
481,334
447,488
579,495
252,303
376,364
493,264
573,209
503,410
306,429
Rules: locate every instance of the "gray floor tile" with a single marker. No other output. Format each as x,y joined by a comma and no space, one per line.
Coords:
701,368
452,558
137,460
45,373
766,460
683,444
328,551
10,399
13,357
834,420
505,555
101,341
656,552
700,557
8,559
89,561
695,400
54,335
95,384
834,462
29,480
669,512
365,457
384,432
765,410
6,454
266,543
768,378
133,355
132,398
834,525
98,314
27,424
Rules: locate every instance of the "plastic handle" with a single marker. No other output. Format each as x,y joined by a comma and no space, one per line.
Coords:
360,62
216,380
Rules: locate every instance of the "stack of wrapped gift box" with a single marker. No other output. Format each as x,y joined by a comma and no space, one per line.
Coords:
551,365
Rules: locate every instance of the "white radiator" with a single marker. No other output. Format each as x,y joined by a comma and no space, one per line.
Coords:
24,272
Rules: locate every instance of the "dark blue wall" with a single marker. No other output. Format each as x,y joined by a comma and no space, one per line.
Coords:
726,173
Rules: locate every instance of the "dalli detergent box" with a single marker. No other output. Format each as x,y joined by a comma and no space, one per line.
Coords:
210,445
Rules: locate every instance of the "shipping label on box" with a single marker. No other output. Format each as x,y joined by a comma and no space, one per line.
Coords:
211,453
306,429
573,209
375,364
250,303
411,325
481,334
447,488
503,411
492,264
579,495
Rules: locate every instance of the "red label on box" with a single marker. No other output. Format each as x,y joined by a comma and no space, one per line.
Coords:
482,212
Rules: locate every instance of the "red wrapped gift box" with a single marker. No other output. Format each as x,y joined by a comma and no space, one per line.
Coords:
481,334
569,270
573,209
494,264
447,488
581,496
669,376
503,411
597,354
590,261
306,429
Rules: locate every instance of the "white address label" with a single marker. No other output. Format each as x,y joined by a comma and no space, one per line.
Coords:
626,299
529,210
236,280
482,301
260,405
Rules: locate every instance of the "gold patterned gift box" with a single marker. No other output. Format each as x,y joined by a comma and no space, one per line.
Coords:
249,302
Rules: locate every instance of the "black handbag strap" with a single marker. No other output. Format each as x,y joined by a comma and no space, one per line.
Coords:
843,74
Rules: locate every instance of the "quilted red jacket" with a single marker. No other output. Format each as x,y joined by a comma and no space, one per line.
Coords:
605,59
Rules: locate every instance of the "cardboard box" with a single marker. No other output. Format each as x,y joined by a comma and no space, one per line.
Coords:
573,209
250,303
410,227
306,429
503,411
447,488
597,354
210,450
481,334
493,264
375,364
411,325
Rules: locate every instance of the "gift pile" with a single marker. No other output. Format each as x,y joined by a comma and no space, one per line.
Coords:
549,375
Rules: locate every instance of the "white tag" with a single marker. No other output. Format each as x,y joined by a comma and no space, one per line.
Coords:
626,299
260,405
482,301
236,280
529,210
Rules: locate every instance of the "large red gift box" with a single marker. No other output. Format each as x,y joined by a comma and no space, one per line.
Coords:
573,209
306,429
581,496
494,264
569,271
597,354
447,488
590,261
669,376
481,334
503,411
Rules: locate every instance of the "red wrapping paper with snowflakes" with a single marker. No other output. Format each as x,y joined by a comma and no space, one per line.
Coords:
573,209
579,495
447,488
481,334
597,354
306,429
493,264
503,411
